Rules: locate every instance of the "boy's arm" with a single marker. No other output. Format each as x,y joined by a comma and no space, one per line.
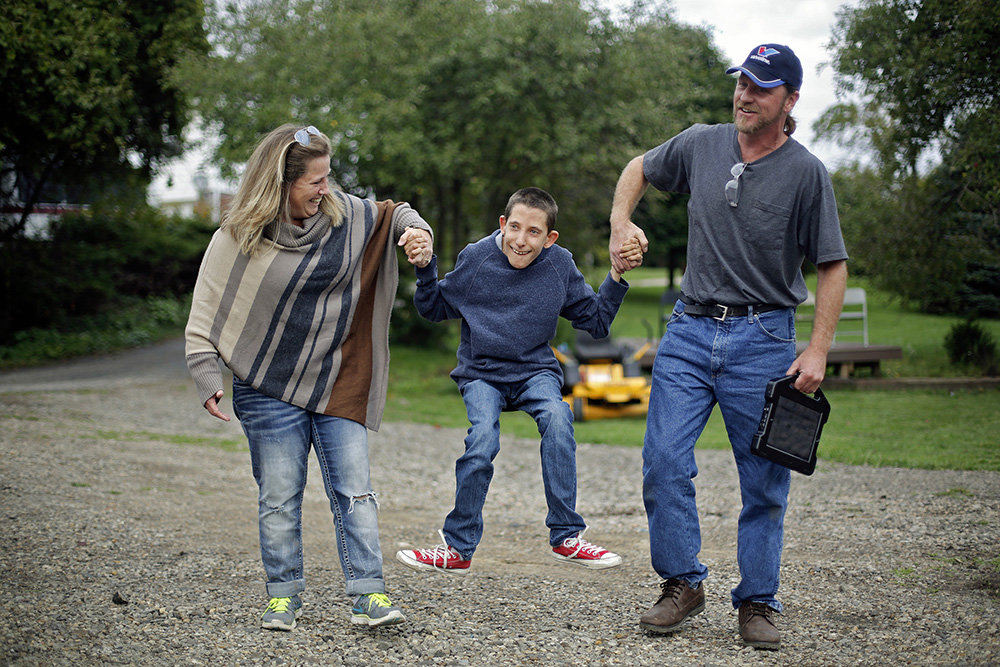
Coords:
593,312
430,296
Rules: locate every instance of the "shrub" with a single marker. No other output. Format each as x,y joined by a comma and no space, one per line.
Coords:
90,262
969,344
132,322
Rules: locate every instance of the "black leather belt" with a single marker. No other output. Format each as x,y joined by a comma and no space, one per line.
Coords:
721,312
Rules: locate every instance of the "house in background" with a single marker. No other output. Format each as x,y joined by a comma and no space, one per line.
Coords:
188,186
56,202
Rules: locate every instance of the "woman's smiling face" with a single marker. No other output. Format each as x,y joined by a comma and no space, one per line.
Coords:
306,191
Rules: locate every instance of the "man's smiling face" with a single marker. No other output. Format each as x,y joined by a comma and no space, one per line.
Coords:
756,108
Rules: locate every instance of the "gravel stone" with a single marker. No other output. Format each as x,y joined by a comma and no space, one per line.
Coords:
112,491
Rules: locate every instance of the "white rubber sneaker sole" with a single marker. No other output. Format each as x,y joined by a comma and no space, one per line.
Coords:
278,624
415,564
613,560
392,618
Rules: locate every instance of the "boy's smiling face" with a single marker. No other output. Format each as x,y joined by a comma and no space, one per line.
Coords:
525,234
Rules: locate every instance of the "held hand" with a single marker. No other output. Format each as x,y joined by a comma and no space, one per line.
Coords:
620,235
811,366
212,405
418,246
632,252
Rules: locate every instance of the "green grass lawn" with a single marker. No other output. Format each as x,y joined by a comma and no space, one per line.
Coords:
934,429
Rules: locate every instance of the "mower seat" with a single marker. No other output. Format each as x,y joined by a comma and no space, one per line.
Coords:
590,349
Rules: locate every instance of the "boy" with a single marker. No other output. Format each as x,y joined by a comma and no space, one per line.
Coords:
509,290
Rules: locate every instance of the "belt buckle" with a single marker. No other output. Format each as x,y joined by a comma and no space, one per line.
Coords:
725,310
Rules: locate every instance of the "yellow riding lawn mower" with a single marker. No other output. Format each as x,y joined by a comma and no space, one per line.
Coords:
603,379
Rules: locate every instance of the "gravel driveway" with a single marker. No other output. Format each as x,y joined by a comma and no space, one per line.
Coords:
129,525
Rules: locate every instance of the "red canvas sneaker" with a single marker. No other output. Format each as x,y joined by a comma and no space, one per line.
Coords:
581,552
441,558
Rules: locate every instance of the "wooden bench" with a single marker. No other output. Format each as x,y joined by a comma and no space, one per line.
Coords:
847,356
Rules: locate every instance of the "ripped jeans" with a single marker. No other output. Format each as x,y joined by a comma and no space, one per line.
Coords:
280,436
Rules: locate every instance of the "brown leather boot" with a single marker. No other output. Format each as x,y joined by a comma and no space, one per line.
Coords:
757,626
678,602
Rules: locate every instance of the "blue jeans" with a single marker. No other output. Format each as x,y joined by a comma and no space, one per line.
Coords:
700,362
540,397
280,436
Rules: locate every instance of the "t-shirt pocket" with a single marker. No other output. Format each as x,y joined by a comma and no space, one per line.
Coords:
768,224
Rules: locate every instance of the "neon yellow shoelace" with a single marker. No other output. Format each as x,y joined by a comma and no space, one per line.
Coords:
279,605
381,599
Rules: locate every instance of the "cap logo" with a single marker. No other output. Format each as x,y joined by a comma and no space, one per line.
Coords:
763,53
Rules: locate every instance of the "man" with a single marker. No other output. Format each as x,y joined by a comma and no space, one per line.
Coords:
760,203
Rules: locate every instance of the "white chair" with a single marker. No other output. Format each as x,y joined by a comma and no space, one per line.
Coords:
853,322
854,317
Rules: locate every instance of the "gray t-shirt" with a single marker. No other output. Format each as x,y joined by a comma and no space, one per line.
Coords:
751,253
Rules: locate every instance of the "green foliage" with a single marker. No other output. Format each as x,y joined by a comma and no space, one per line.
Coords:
91,261
909,236
663,217
925,221
86,93
934,81
969,344
463,102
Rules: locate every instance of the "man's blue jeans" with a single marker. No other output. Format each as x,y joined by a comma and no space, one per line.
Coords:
280,436
540,397
702,361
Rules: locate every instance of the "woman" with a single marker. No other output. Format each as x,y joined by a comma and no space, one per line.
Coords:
294,295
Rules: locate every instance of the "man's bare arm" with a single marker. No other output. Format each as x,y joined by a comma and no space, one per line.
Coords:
631,186
811,364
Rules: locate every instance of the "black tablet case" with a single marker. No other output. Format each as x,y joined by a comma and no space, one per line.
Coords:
790,426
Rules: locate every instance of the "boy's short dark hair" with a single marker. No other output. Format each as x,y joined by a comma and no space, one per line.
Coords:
535,198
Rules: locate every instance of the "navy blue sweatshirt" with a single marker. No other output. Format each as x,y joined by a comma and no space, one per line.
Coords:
509,315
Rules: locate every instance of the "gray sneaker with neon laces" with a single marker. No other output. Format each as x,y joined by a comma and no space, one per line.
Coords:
281,613
374,609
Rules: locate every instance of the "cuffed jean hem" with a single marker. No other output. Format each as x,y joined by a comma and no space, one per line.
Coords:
363,586
692,582
285,589
558,535
770,602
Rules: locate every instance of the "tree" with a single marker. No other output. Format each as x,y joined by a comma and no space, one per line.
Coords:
926,76
452,105
86,96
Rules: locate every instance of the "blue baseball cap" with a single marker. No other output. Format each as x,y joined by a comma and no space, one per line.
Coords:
771,65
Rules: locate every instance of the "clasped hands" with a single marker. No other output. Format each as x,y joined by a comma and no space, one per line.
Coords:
418,246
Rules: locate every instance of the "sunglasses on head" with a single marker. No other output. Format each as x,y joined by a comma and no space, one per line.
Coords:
302,136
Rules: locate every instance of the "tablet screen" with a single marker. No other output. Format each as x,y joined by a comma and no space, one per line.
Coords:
794,428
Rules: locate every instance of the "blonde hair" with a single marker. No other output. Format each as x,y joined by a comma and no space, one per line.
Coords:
262,196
